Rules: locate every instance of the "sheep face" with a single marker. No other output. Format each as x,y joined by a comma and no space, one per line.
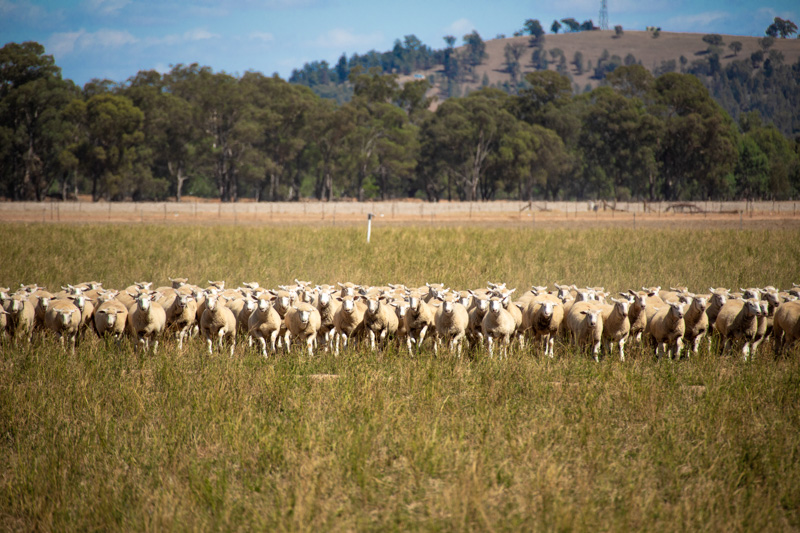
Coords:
700,303
80,301
211,302
65,317
495,306
752,307
719,299
250,305
447,307
621,306
111,318
324,298
482,305
264,305
372,306
592,316
16,305
348,304
677,309
547,309
143,301
413,303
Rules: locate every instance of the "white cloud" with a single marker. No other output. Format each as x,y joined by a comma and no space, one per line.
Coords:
64,43
341,38
105,7
265,37
459,28
197,34
24,11
696,21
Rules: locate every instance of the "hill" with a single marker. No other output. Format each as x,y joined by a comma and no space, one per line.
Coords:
649,51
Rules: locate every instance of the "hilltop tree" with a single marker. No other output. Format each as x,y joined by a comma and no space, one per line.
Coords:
572,24
534,28
476,48
555,27
713,39
782,28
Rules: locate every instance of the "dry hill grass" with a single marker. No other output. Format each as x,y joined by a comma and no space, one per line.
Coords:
650,51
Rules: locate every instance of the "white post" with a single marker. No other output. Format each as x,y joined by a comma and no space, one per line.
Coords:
369,226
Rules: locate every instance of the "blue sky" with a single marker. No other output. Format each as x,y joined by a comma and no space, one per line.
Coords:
116,38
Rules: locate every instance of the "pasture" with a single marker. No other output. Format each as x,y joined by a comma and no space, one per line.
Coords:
111,440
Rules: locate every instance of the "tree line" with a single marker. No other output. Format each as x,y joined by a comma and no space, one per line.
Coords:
204,133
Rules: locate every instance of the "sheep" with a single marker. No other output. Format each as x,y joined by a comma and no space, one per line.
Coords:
146,321
327,306
218,323
585,323
400,309
695,322
418,320
637,314
21,317
177,283
64,319
786,326
719,297
543,319
347,322
476,314
738,319
86,308
182,315
763,327
111,317
616,325
265,323
451,320
303,322
667,328
498,325
380,320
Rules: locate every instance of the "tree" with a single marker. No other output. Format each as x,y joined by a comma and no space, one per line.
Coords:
534,28
698,146
475,48
34,131
111,149
751,171
555,27
513,53
735,47
572,24
588,25
766,42
618,31
713,39
577,60
781,27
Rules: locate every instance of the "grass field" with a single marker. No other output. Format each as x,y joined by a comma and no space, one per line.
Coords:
108,440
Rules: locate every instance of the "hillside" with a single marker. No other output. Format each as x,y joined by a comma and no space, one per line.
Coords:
651,52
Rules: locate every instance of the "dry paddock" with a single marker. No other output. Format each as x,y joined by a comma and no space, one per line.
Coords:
744,215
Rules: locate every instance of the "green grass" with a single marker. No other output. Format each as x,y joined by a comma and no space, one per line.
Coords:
108,440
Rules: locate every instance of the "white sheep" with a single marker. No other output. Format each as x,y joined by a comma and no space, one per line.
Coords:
476,313
218,323
64,319
738,320
302,322
182,316
380,321
695,322
667,328
585,323
786,326
111,317
265,323
348,321
543,319
327,306
21,317
498,326
616,326
146,321
418,320
451,320
637,314
719,297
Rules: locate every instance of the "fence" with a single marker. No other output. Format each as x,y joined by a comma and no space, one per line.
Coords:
409,211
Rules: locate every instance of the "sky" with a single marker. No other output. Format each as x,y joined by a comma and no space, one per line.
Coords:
115,39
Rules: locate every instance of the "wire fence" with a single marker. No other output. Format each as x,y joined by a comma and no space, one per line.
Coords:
244,212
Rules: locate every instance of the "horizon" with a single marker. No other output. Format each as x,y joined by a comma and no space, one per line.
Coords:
115,39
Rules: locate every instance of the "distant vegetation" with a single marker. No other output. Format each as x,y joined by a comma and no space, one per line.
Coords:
688,130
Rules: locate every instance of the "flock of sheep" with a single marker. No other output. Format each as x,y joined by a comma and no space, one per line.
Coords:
332,318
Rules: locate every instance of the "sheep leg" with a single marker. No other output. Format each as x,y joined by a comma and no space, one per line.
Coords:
263,342
622,350
372,340
309,345
422,333
490,344
746,350
155,346
272,340
550,341
409,340
596,351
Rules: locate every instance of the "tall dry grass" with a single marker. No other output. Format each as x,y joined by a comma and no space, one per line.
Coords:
114,441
